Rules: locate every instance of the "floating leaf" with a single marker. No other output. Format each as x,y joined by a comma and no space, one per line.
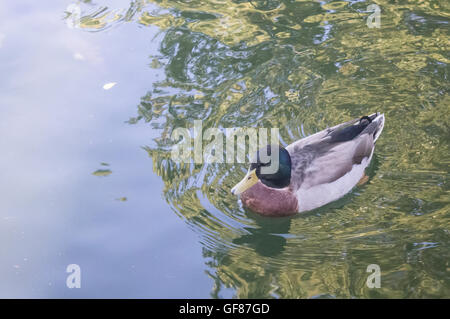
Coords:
102,172
108,86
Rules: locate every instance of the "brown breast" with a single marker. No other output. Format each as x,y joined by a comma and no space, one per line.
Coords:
270,201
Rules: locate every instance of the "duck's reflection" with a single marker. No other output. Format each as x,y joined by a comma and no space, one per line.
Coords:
268,239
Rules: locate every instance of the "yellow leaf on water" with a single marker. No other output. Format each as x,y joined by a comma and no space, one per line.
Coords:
102,172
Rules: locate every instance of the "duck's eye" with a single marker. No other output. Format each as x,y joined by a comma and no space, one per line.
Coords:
249,177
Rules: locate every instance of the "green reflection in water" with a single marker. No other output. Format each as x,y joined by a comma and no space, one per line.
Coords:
302,66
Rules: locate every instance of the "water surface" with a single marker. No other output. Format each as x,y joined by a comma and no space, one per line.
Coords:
88,178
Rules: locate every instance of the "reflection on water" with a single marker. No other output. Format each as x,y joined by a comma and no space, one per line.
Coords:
302,66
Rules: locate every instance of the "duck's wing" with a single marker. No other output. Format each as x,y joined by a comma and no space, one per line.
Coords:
330,154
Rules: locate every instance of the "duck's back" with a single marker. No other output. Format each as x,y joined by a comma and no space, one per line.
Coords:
328,164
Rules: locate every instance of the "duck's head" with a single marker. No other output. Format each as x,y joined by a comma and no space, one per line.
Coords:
271,165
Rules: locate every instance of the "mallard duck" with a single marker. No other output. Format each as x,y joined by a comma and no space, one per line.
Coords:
310,172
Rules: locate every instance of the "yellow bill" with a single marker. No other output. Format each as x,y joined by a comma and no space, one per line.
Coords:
248,181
